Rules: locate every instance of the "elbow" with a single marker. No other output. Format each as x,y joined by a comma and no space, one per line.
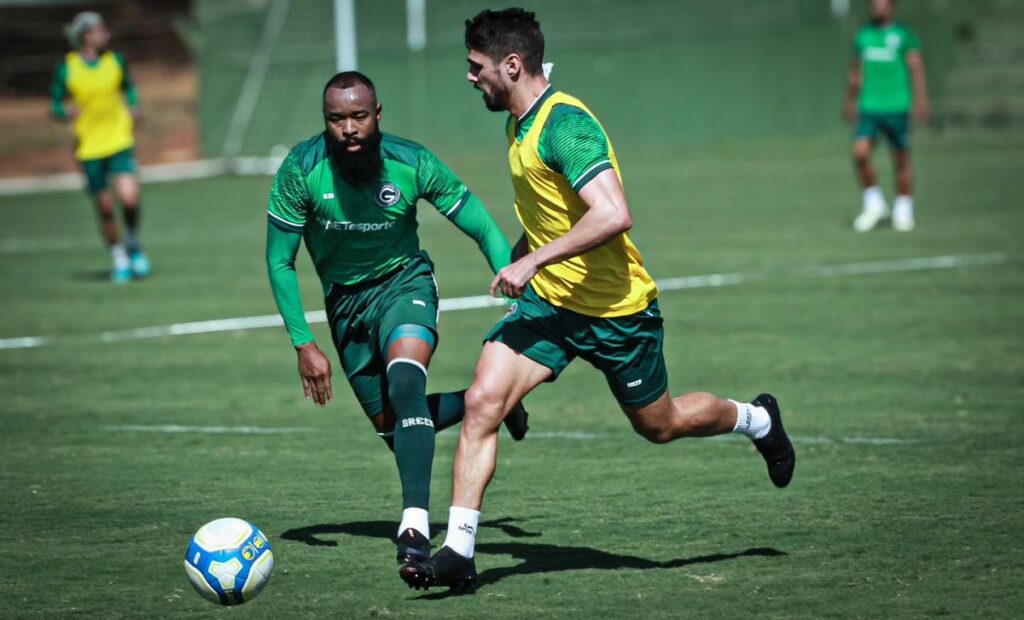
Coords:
623,223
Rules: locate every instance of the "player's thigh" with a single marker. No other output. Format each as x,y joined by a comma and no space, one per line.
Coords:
629,351
126,185
95,173
896,128
502,378
357,352
408,314
865,133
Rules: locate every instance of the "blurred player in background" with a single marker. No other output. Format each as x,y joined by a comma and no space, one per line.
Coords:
582,291
104,104
351,193
886,80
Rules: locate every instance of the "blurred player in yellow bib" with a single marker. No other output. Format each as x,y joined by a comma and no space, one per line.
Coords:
104,104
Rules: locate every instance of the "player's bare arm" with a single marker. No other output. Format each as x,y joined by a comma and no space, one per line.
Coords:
607,216
853,84
915,65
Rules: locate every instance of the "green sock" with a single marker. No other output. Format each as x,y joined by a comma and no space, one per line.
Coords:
414,431
446,409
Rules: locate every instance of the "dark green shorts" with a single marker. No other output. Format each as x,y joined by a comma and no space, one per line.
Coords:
627,349
97,170
895,128
363,317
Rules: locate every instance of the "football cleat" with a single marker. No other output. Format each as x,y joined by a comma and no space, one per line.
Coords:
516,422
121,276
775,447
140,264
412,547
446,568
869,218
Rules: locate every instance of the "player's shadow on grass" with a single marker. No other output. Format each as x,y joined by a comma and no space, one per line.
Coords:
91,275
313,534
536,557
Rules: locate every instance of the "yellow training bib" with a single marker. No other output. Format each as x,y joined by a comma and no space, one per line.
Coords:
103,125
606,281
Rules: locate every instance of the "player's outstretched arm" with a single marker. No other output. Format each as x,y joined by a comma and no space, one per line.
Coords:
474,220
314,367
607,216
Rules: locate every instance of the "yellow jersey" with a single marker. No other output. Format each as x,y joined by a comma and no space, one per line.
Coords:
607,281
99,90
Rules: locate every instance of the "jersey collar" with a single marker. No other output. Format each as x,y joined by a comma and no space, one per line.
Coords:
524,122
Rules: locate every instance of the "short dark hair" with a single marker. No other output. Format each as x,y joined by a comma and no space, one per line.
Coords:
509,31
348,79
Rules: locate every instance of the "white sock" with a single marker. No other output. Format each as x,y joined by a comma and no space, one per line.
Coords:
462,524
874,199
905,204
754,422
120,256
417,519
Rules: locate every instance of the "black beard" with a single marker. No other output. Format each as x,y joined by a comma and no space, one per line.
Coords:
497,103
361,167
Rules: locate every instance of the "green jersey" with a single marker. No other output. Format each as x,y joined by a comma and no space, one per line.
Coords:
356,235
882,51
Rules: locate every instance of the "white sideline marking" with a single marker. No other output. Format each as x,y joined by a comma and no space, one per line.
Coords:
215,430
484,301
176,429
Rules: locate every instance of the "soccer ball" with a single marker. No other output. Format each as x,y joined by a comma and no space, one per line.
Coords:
229,561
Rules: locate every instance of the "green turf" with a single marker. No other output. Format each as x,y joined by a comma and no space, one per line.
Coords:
95,521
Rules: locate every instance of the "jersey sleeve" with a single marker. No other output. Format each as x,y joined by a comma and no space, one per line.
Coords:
437,184
59,91
131,94
282,247
910,42
574,145
289,197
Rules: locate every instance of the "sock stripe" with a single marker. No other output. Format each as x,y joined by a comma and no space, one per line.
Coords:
406,360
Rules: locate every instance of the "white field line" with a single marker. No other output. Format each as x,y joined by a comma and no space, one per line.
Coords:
484,301
177,429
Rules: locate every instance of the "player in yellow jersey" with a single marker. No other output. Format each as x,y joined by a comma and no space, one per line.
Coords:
104,104
582,291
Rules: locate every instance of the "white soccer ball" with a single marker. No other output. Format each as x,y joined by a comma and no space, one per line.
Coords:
229,561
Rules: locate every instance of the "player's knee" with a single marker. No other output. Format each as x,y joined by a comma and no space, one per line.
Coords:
653,431
861,153
484,408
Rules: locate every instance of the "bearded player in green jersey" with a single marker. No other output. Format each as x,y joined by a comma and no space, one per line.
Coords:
886,81
351,193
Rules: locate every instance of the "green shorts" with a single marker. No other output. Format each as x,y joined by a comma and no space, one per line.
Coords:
363,316
97,170
895,128
627,349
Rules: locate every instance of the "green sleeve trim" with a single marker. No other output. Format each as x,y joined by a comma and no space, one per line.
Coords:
474,220
589,175
282,247
573,144
58,91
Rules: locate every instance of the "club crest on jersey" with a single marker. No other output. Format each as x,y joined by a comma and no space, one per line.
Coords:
388,195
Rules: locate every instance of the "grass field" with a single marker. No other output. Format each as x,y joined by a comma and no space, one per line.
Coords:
904,390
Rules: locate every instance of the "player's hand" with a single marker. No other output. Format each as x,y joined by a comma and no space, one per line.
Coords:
849,112
315,370
922,110
512,280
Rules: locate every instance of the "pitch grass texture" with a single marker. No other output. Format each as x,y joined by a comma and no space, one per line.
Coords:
590,521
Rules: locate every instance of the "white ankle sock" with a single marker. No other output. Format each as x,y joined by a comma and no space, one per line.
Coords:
754,422
417,519
874,199
120,256
462,524
904,203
